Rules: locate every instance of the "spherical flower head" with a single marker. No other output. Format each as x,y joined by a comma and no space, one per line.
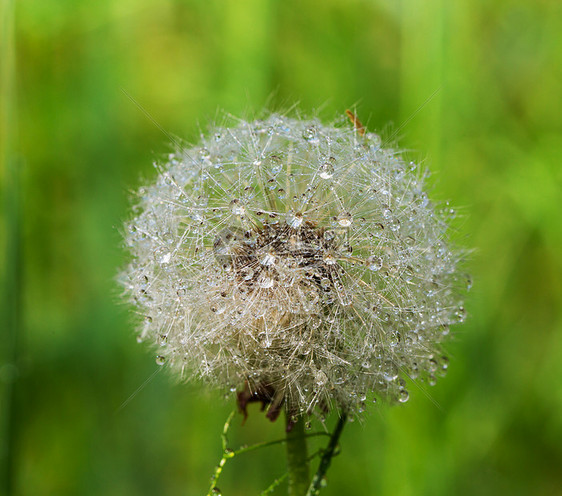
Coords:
300,262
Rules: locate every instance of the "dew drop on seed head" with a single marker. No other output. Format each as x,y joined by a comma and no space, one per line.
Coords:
460,314
408,274
374,263
295,220
237,208
268,259
321,378
247,273
403,396
329,258
226,244
309,134
265,282
160,360
345,219
394,225
326,170
329,235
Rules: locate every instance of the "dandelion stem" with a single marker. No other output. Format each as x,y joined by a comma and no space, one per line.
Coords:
11,251
316,483
297,457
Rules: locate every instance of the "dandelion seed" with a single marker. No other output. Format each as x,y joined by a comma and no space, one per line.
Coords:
299,262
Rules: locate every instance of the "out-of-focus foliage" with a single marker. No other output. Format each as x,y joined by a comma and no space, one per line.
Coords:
473,87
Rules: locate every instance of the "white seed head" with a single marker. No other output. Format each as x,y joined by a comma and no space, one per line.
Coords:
294,258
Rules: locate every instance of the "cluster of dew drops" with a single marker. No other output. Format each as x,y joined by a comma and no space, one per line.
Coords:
284,251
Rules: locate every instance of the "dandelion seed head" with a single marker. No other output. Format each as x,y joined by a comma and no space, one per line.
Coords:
295,258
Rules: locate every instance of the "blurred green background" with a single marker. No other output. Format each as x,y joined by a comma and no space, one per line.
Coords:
73,146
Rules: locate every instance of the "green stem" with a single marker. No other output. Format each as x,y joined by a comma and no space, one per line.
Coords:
316,483
11,251
297,458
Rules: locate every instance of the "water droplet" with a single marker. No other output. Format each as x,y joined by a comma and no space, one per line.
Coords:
295,220
338,374
237,208
384,316
460,314
327,170
160,360
386,213
389,371
247,273
329,235
227,244
166,258
325,283
308,425
321,378
265,281
394,339
374,263
345,219
394,225
433,365
403,396
265,340
408,274
309,134
329,258
268,259
410,240
217,491
378,229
